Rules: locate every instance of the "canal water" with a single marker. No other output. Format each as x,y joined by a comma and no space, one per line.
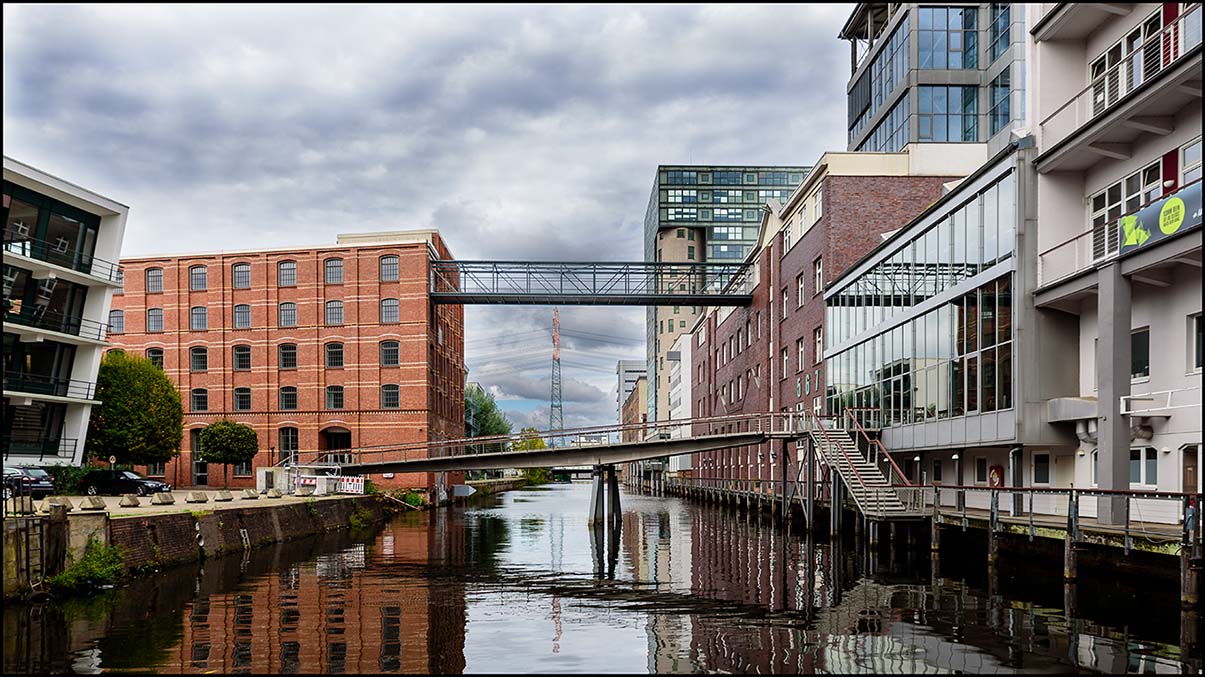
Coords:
520,583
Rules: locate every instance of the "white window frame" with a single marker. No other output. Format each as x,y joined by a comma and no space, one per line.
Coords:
818,338
1193,319
818,272
800,291
1184,180
1143,480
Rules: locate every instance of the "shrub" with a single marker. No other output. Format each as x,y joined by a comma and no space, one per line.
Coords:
360,519
415,499
67,478
99,565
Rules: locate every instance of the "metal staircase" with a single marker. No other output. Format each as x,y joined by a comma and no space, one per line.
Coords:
877,495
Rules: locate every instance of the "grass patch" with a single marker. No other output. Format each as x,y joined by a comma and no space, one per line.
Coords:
360,519
100,565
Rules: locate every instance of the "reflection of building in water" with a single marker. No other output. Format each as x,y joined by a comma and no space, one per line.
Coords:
658,547
328,615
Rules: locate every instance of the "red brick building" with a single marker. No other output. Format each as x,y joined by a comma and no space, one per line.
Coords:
317,349
769,356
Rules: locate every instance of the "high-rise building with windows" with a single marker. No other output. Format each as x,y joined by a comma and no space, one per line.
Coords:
627,373
700,214
317,349
61,244
950,74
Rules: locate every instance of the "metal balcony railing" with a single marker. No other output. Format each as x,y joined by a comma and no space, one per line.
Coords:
1092,247
1142,62
40,446
40,318
39,384
60,254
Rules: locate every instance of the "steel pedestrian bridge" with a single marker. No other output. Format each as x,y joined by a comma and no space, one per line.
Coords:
591,283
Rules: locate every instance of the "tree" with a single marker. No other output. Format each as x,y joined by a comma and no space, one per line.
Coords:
483,419
226,442
140,419
530,440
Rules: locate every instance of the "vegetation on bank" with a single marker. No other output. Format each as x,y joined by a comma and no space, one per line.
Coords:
99,565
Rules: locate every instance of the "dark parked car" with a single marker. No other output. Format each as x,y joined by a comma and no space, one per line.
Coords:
115,482
33,482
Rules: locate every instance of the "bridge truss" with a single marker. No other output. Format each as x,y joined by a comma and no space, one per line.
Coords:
609,284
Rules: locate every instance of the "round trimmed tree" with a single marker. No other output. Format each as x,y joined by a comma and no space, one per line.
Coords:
226,442
140,419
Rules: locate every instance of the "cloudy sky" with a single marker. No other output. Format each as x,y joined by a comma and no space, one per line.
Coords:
520,132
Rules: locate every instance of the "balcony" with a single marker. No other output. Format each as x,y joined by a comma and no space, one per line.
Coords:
61,255
38,384
1139,94
37,445
1075,20
1119,238
37,317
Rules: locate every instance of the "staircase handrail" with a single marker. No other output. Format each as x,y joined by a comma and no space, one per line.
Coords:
879,444
849,461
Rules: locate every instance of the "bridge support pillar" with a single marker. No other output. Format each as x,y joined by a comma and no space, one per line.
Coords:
597,503
612,493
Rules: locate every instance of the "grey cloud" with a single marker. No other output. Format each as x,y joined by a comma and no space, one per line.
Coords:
521,132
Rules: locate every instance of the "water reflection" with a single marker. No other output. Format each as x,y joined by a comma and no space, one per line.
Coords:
522,584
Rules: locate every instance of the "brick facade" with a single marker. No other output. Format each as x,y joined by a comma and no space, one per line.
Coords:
430,338
740,358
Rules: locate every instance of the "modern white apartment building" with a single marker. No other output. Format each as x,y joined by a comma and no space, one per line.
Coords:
1117,107
61,244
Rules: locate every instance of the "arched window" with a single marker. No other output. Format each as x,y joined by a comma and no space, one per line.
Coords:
334,313
242,399
334,397
200,399
198,318
155,355
334,271
334,356
389,269
154,320
154,280
287,356
242,276
389,311
391,396
288,398
117,322
198,359
198,278
287,315
286,274
242,358
390,354
242,316
288,444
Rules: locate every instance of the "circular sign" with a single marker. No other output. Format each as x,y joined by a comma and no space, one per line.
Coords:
1171,216
112,460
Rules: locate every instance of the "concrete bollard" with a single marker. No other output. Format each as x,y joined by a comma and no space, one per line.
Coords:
223,496
274,493
305,490
129,501
164,498
52,500
20,505
250,495
197,497
92,503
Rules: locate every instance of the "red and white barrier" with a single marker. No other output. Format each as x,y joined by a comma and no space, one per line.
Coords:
351,485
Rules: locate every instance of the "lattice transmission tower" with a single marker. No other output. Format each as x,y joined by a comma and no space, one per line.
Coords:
556,415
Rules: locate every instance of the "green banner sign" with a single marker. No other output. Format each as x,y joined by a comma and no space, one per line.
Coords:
1176,213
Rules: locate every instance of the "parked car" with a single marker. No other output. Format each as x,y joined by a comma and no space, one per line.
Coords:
33,482
115,482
